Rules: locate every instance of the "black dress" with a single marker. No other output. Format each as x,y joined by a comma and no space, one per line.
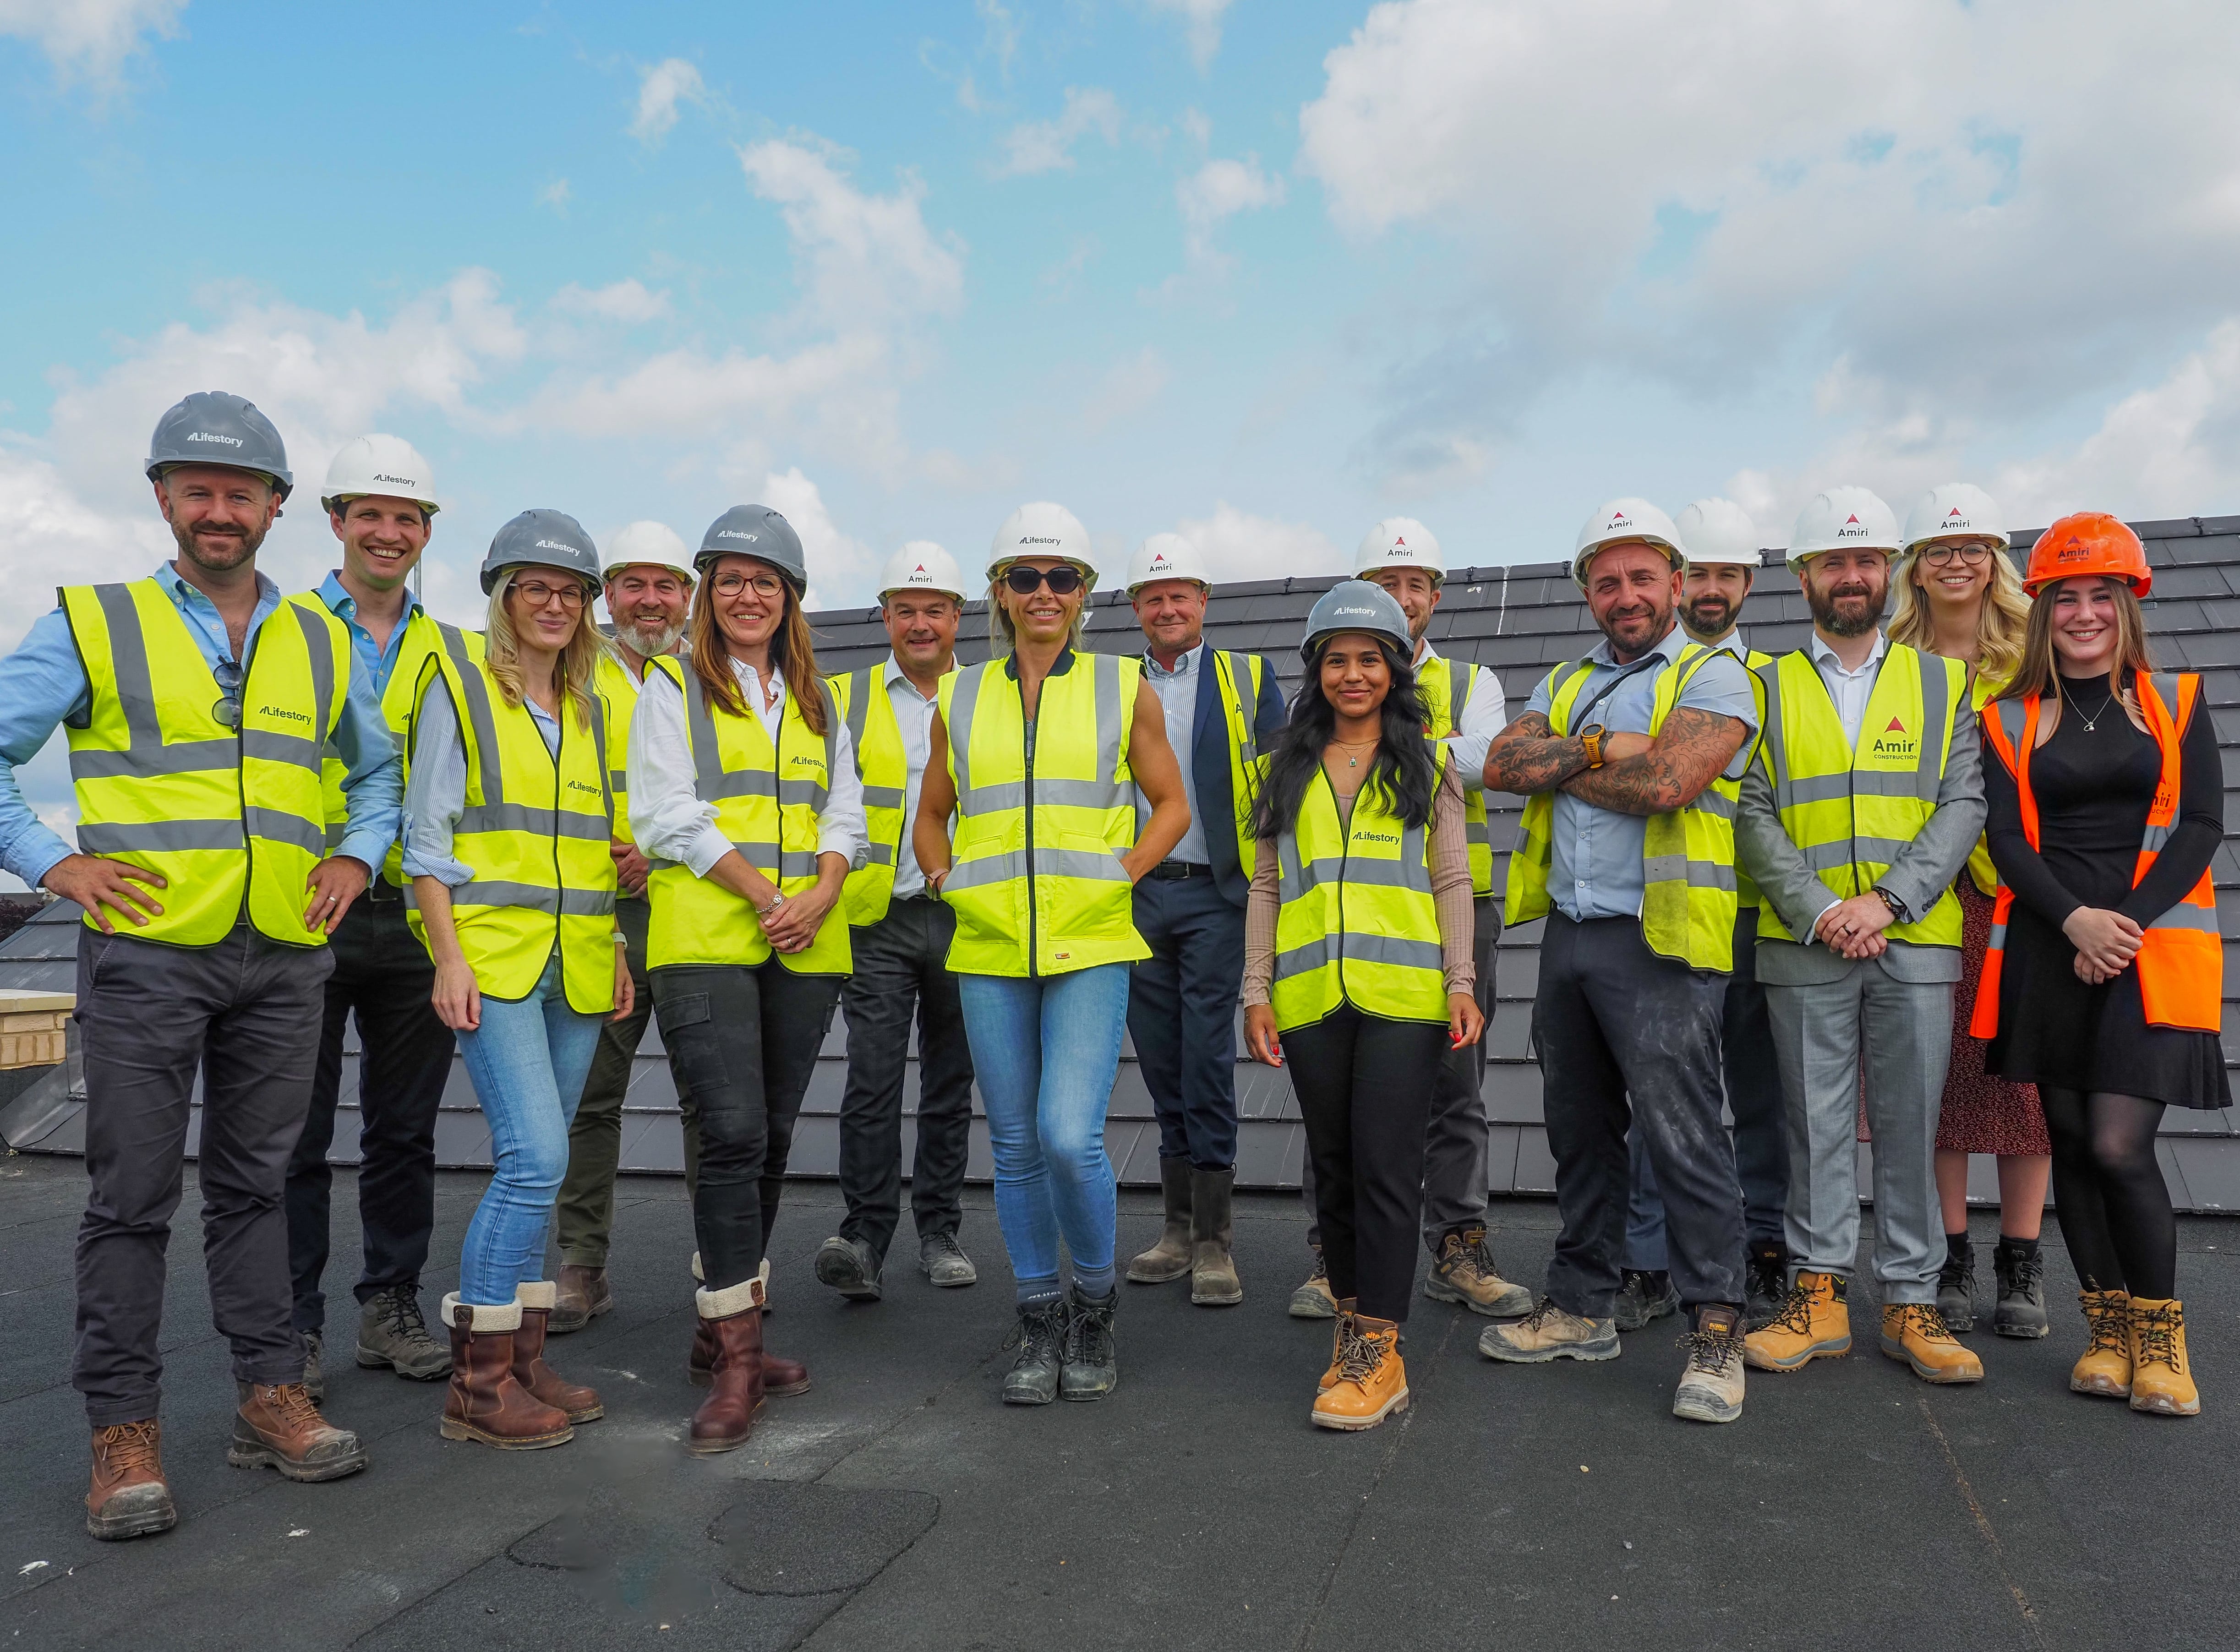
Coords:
2094,787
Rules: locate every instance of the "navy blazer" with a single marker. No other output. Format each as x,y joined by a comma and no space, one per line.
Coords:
1211,791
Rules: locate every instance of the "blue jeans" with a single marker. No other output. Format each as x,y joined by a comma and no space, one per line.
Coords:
1046,1052
528,1061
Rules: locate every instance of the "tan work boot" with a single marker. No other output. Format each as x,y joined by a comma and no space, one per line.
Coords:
1549,1333
1814,1324
2105,1366
279,1427
1313,1300
580,1404
1463,1272
1711,1383
1916,1333
1170,1257
1339,1332
581,1296
129,1497
2162,1378
1371,1383
1214,1282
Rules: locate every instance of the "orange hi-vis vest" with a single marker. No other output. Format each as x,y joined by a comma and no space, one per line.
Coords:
2181,961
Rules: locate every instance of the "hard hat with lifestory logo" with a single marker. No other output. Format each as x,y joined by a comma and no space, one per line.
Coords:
921,566
1844,519
1719,531
648,544
2089,542
1357,605
216,427
1400,541
1166,556
760,532
1041,530
1621,522
1956,508
386,465
542,539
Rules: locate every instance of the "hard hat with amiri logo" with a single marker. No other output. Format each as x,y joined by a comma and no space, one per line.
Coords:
2089,542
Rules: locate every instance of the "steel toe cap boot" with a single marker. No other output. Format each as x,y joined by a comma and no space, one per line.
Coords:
1916,1333
1814,1324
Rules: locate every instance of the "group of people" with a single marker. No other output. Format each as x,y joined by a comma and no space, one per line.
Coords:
1763,880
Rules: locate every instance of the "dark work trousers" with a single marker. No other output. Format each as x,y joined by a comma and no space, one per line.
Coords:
902,966
1761,1131
1364,1090
743,1042
245,1012
1181,1014
1613,1019
585,1210
383,976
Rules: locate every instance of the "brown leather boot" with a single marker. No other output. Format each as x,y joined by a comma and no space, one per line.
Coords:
581,1404
781,1377
582,1296
733,1317
279,1427
483,1401
129,1497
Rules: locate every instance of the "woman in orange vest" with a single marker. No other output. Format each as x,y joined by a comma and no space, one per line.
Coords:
2104,978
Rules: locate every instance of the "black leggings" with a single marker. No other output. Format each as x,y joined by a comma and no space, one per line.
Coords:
2109,1193
1364,1089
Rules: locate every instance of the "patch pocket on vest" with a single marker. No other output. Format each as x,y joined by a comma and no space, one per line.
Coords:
688,1028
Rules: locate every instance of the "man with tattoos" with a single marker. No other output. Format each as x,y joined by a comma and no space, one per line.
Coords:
1628,760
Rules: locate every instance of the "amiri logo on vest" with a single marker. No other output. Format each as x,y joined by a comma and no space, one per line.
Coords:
1895,741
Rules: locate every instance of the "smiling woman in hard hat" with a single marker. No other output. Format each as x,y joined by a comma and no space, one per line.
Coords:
1040,754
745,795
515,897
2104,983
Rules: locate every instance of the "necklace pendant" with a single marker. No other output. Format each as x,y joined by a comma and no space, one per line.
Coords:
1354,762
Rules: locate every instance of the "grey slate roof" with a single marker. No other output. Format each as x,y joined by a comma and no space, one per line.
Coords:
1518,621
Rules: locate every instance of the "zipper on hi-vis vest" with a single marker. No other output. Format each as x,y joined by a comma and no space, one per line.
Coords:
1033,912
559,886
1344,866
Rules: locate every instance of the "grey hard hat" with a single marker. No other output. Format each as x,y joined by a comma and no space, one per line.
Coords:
1357,605
542,539
756,531
211,427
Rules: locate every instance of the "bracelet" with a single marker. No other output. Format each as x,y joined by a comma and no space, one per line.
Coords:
620,939
777,900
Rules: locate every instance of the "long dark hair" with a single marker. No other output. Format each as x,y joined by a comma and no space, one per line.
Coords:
1401,768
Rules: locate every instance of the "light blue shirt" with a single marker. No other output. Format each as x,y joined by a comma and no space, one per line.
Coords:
1595,862
42,684
435,795
1177,692
380,662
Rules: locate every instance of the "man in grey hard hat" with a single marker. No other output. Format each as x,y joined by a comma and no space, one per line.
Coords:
209,894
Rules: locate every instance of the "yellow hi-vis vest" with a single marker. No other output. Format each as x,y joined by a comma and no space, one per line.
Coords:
1236,679
1853,811
1435,678
1689,895
767,799
619,692
1358,924
1035,874
884,767
424,636
1746,891
535,832
231,818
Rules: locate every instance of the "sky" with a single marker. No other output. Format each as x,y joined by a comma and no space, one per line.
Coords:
1258,272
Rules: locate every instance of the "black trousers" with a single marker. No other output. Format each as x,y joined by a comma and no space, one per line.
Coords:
245,1012
901,967
743,1042
383,975
1364,1090
1613,1019
1182,1015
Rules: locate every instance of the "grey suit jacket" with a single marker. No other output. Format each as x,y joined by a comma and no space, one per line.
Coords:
1917,877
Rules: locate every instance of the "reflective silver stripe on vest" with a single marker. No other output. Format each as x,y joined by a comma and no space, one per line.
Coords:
567,903
2185,916
1935,695
1770,738
156,836
881,854
148,763
1326,949
1083,863
1672,869
1836,856
883,797
1711,802
1412,871
859,711
1102,792
271,745
491,769
529,817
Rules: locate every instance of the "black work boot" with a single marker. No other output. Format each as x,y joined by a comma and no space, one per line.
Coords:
1091,1363
1955,1287
1765,1283
850,1267
1040,1335
315,1370
1645,1295
2021,1273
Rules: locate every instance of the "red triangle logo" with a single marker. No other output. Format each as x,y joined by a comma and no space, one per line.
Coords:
1952,513
1896,727
1399,542
1848,521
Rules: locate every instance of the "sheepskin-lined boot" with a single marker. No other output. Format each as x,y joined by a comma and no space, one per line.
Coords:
581,1404
732,1318
482,1400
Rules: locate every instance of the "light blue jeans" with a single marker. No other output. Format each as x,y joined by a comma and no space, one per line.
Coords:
1046,1052
528,1061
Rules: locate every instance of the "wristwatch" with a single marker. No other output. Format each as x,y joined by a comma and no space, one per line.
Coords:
1590,737
777,900
1896,907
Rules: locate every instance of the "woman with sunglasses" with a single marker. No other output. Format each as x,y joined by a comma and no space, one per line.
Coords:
508,815
1040,754
745,796
1358,966
1959,595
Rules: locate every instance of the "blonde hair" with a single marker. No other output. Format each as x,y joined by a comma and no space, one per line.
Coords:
793,648
2040,666
579,661
2000,623
1004,637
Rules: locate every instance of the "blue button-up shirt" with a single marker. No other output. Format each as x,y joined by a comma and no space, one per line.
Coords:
1595,862
42,684
1177,692
380,662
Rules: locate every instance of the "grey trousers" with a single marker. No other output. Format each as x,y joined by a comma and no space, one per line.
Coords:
1905,1028
247,1012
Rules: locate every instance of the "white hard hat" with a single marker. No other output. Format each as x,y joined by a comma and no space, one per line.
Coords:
1400,541
383,464
1956,508
1041,530
1166,556
648,544
921,566
1719,530
1620,521
1843,518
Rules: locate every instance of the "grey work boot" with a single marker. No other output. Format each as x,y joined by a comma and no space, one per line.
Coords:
391,1333
849,1268
1091,1369
1040,1337
315,1371
941,1259
1955,1286
1313,1299
1170,1257
2021,1273
1214,1282
1463,1272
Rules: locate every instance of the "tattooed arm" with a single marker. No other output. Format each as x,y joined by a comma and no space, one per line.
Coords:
1684,758
1529,757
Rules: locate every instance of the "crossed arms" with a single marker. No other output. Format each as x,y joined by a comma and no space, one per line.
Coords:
1639,776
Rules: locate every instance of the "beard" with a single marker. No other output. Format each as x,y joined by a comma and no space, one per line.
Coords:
1707,616
220,552
648,641
1830,617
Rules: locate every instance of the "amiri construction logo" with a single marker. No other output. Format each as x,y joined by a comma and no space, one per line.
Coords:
1895,741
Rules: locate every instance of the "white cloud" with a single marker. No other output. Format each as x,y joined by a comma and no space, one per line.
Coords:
90,39
1131,384
1202,20
627,302
1047,146
1002,33
1239,545
865,259
49,533
557,195
843,571
660,89
1214,193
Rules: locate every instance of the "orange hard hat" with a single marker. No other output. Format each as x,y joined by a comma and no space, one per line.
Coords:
2089,542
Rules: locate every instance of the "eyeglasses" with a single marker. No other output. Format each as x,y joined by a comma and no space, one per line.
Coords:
1971,554
1063,581
764,585
228,710
537,594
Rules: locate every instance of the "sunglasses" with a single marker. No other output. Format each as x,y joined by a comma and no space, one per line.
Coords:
228,710
1062,580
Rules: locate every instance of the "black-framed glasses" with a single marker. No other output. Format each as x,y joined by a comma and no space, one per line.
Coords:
1063,580
228,709
537,594
1971,555
763,585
